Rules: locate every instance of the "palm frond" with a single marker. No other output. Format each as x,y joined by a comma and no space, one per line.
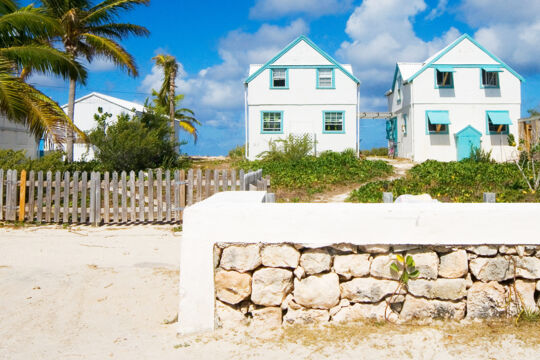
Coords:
27,21
108,10
189,128
112,50
118,30
45,59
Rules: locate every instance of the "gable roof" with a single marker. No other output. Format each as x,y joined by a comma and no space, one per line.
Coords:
289,47
442,52
468,129
125,104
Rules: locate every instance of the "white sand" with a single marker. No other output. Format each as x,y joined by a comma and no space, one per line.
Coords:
104,294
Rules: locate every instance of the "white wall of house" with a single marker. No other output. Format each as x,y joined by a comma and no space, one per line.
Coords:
302,103
17,137
467,103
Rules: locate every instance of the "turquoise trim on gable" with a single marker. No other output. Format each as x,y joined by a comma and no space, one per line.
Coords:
280,126
302,66
324,122
468,131
333,80
396,72
498,117
290,46
456,42
286,87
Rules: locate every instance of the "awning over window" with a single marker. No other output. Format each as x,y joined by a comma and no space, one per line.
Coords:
438,117
445,68
499,117
491,69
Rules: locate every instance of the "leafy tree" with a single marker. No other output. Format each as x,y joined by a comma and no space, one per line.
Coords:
25,35
87,31
162,99
134,143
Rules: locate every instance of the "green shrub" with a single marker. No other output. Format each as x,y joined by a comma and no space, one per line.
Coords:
17,160
382,151
464,181
292,148
238,152
316,174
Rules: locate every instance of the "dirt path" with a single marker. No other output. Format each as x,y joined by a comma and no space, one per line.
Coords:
401,166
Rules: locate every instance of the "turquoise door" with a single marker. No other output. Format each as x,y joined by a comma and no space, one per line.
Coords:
467,140
392,135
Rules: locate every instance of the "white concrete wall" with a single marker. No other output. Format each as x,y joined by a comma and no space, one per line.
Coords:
17,137
302,103
241,217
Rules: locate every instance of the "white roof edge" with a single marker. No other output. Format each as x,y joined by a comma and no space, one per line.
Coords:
110,99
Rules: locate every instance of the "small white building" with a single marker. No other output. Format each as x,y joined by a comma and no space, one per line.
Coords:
85,109
15,136
461,98
301,90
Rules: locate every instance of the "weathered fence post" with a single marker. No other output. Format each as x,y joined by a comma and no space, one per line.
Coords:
22,195
207,181
167,195
57,193
115,196
241,175
92,204
159,194
132,193
177,195
31,185
48,197
124,197
75,205
150,195
1,194
39,205
97,199
388,197
199,185
216,181
190,187
65,210
141,196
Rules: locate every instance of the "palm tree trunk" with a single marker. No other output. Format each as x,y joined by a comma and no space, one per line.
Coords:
171,104
71,112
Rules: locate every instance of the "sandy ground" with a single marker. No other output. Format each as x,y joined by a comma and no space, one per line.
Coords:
104,293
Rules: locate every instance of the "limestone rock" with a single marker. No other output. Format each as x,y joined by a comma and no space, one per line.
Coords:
468,281
285,256
538,285
403,248
380,267
354,265
454,265
358,312
229,317
507,250
491,269
241,257
267,317
527,267
316,261
270,286
343,303
231,286
526,289
217,256
485,300
483,250
299,272
445,289
427,263
285,302
317,291
421,309
375,249
305,316
345,248
367,289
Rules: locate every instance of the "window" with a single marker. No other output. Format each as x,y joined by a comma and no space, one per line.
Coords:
498,122
404,124
444,79
325,78
279,79
272,122
437,121
490,79
398,96
333,121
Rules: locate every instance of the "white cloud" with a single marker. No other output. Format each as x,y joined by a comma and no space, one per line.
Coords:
437,11
509,30
99,64
217,93
272,9
382,34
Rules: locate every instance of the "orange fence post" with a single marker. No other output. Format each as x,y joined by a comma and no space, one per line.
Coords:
22,195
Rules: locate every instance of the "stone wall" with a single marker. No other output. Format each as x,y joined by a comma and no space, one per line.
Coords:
278,284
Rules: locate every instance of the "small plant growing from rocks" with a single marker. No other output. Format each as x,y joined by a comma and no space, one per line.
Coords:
406,269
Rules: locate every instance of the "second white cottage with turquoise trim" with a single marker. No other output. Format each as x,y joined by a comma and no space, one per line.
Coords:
301,90
463,97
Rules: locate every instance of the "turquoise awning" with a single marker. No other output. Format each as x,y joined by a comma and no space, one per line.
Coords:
438,117
491,69
499,117
445,68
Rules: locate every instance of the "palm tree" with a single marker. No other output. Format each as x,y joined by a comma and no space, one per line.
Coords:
25,33
184,116
88,30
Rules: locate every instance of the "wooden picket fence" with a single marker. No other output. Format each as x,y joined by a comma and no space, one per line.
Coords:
103,198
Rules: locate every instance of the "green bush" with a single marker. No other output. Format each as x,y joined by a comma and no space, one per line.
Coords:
316,174
464,181
17,160
382,151
238,152
292,148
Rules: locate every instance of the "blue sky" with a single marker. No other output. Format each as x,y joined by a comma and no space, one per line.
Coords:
216,40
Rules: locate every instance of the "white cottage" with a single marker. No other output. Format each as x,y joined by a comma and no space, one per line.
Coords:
85,109
461,98
301,90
